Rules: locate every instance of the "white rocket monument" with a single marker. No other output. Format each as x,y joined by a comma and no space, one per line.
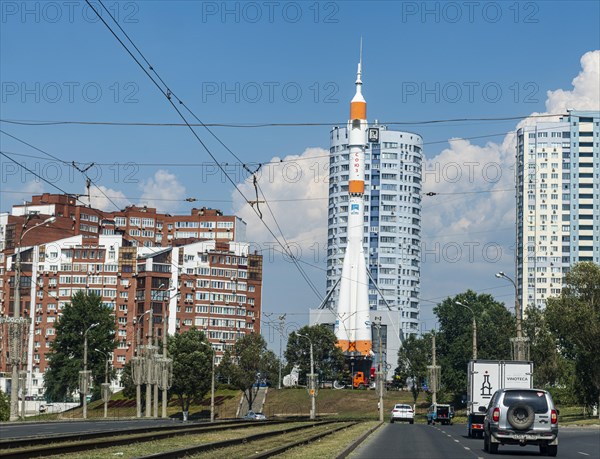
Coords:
353,327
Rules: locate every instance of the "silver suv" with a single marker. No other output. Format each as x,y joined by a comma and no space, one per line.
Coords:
521,417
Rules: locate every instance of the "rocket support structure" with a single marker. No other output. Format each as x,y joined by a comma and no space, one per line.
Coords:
353,326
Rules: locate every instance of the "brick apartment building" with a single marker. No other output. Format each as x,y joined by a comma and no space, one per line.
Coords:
191,270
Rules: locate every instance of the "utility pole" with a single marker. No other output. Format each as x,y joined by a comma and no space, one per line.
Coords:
281,323
520,343
149,369
107,389
433,373
312,390
85,375
212,387
165,396
434,395
377,324
474,345
137,373
106,392
212,379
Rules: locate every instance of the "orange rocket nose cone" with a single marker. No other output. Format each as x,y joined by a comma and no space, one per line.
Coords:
358,111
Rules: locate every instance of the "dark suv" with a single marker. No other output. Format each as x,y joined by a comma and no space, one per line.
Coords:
521,417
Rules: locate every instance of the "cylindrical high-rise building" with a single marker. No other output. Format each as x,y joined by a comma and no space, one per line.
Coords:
392,218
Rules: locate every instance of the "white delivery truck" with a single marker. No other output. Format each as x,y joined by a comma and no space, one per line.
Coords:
487,376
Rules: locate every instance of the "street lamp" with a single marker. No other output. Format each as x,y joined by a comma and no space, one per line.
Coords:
311,389
164,373
106,386
212,382
138,368
85,379
281,323
474,328
17,325
377,324
520,342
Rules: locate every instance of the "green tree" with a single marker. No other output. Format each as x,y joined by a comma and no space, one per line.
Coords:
65,360
551,367
495,325
328,358
4,407
574,318
252,363
192,357
225,368
413,358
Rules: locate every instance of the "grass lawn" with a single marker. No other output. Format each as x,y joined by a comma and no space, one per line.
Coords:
344,403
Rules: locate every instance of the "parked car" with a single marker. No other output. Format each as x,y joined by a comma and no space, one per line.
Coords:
440,413
255,416
402,412
521,417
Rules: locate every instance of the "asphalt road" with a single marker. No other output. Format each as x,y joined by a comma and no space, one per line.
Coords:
420,441
27,429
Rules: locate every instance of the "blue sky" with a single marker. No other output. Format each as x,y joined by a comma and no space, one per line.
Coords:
422,61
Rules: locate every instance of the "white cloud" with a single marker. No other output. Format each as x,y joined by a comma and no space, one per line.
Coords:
586,88
104,198
296,190
33,187
162,191
468,168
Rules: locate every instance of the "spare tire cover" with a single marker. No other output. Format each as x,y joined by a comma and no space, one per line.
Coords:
521,416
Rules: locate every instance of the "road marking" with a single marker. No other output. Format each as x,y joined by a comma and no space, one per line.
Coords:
466,447
456,441
585,454
448,435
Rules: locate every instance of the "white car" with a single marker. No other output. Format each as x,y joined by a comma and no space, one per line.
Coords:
255,416
402,412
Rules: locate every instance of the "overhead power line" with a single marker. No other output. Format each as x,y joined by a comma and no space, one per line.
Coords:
263,125
171,98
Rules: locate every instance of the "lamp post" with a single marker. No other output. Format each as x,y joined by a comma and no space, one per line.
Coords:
138,368
85,380
17,326
474,328
163,365
311,388
281,322
106,386
377,324
520,342
212,382
149,365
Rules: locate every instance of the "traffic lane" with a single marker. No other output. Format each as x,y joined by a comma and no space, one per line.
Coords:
416,441
33,429
584,440
573,442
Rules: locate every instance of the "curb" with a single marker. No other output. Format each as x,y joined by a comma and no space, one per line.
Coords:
346,452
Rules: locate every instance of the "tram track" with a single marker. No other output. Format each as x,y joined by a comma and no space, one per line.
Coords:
71,443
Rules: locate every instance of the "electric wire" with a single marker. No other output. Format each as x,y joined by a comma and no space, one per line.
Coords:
34,173
169,95
262,125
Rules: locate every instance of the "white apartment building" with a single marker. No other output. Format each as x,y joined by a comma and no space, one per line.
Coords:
558,200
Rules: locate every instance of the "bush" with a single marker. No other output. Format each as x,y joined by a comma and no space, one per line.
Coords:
4,407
